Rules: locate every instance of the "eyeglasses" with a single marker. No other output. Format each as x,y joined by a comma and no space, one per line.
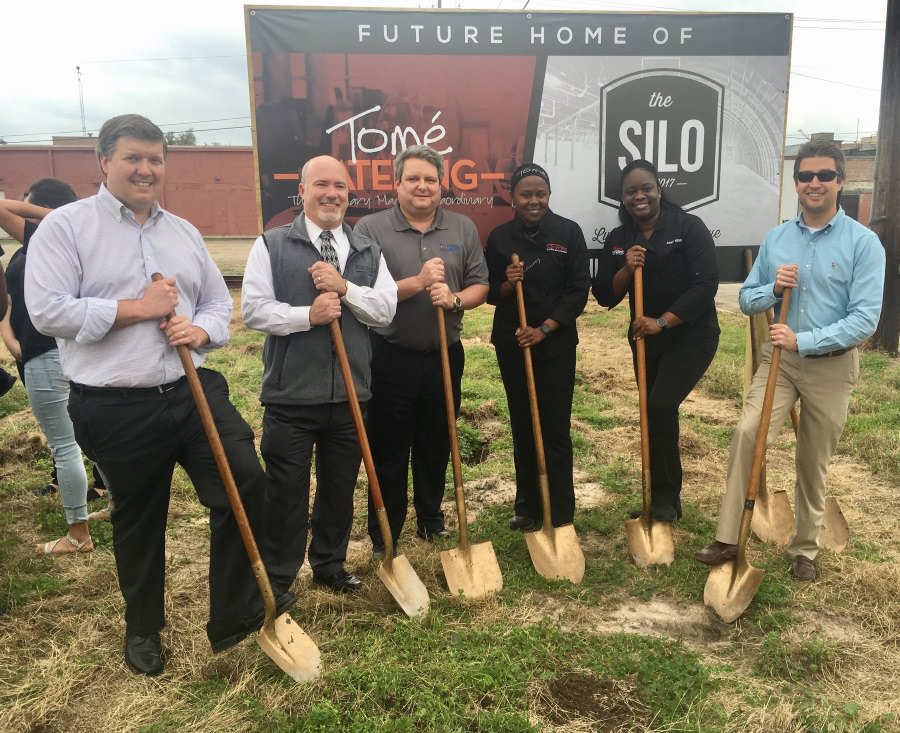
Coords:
825,176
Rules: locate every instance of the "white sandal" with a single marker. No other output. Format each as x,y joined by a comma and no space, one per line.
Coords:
49,548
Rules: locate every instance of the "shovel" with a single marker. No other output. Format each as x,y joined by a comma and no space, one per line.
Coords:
555,552
395,572
731,586
773,517
470,570
280,638
834,532
649,542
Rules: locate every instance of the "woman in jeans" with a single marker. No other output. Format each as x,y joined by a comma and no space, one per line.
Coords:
47,388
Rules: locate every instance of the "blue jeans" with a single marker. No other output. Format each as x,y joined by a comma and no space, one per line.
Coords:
48,393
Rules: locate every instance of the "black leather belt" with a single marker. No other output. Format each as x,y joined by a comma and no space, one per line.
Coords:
836,352
87,389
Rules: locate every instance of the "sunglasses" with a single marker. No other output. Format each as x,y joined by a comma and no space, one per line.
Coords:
825,176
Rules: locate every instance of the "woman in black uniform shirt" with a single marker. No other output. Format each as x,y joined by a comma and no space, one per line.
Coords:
679,327
555,279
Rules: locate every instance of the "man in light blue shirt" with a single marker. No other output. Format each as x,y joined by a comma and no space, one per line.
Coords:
835,267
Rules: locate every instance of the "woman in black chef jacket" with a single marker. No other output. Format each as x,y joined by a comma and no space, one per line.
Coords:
555,278
679,326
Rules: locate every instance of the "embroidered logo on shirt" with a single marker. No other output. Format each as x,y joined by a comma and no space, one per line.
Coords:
618,251
553,247
450,247
674,241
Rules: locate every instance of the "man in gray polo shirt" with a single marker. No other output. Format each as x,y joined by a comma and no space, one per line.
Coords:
437,260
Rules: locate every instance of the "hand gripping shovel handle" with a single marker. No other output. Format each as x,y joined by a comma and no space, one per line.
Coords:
641,359
532,401
218,450
451,429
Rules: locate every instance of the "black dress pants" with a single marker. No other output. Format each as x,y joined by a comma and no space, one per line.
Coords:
671,375
137,436
554,383
289,434
408,415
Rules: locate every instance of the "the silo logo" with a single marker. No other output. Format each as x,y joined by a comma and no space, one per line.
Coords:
673,119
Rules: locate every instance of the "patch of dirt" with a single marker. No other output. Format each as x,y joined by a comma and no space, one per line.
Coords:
690,622
608,705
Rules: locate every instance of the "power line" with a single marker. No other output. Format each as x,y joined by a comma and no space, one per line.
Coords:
202,129
159,124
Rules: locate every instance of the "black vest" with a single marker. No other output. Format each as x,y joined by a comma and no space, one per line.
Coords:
302,368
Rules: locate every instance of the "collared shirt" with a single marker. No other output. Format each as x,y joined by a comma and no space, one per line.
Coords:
840,287
452,237
373,306
557,278
90,254
680,275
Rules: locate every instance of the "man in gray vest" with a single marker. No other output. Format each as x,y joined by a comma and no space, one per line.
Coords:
299,278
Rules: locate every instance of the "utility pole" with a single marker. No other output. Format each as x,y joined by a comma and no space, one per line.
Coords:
81,101
886,200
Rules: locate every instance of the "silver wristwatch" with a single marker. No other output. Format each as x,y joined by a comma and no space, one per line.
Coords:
662,323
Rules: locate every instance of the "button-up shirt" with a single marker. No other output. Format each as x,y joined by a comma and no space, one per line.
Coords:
840,286
373,306
90,254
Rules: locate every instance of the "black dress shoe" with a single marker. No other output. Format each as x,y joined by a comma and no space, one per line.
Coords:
716,553
429,535
341,581
225,634
143,654
525,524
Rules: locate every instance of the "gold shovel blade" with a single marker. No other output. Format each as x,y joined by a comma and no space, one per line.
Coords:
773,518
556,553
473,572
290,648
653,545
835,533
403,583
730,588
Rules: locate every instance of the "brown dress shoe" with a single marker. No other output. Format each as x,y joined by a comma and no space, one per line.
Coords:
716,553
804,568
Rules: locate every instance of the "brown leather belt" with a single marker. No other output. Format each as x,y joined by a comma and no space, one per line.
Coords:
836,352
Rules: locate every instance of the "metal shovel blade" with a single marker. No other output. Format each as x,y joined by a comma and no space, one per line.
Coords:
773,517
731,587
401,580
290,648
651,543
556,553
834,534
472,572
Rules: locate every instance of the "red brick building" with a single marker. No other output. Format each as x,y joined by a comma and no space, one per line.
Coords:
212,187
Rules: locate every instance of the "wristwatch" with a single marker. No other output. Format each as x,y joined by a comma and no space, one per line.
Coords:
662,323
457,304
545,328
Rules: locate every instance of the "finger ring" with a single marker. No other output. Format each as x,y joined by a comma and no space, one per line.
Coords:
182,334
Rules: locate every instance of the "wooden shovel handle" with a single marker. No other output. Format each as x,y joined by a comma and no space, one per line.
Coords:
451,429
759,449
218,451
363,438
641,359
541,460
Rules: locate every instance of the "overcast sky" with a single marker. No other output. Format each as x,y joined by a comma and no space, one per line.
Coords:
183,64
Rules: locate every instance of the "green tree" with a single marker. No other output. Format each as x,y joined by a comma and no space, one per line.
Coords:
181,138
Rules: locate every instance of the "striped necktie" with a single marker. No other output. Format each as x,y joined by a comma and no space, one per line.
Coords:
328,252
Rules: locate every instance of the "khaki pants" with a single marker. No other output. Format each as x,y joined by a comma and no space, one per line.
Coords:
824,386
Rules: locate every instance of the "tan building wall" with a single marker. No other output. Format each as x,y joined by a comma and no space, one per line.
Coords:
213,188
